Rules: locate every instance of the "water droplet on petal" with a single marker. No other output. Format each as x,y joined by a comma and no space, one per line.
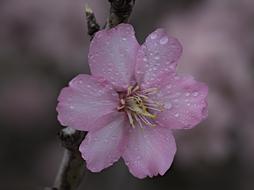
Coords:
157,58
153,36
195,93
136,149
176,114
169,86
187,94
164,40
168,105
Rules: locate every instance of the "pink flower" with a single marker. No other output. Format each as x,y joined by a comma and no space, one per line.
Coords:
132,101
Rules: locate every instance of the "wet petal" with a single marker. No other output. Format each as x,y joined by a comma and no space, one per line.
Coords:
184,100
103,147
149,151
112,55
84,101
156,57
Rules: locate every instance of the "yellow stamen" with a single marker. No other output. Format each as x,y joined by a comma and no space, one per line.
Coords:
139,107
130,119
150,91
136,104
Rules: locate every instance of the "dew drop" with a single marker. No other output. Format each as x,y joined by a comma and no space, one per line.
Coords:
98,35
145,59
177,115
157,57
136,149
169,86
114,160
187,94
168,105
124,39
195,93
153,36
72,107
164,40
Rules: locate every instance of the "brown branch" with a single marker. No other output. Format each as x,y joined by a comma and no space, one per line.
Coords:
71,171
120,11
72,167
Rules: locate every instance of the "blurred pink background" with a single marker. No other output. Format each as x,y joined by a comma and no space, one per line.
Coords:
44,44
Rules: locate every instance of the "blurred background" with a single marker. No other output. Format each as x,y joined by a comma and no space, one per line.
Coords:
44,44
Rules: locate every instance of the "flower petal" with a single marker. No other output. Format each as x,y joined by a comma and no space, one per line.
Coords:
156,57
112,55
103,147
84,101
149,151
184,100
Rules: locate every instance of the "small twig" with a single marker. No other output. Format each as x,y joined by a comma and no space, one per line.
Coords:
120,11
92,24
71,171
72,167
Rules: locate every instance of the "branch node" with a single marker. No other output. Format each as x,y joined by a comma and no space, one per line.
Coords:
120,11
71,138
92,24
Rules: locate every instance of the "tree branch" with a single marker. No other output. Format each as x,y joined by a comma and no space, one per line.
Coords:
72,167
120,11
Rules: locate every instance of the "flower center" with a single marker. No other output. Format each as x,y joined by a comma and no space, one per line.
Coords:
140,109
